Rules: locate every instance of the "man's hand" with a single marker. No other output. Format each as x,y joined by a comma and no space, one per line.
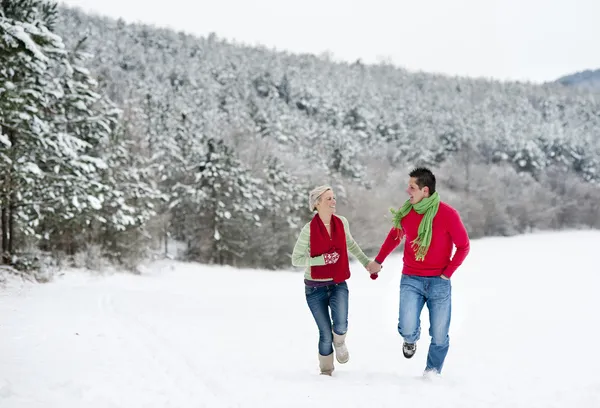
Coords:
444,277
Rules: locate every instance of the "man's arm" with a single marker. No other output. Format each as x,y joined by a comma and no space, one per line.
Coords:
391,242
460,238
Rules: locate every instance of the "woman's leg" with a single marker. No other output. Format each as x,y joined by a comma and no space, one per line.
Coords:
339,303
318,303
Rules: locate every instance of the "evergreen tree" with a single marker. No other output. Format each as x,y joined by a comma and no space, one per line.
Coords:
57,134
27,93
223,200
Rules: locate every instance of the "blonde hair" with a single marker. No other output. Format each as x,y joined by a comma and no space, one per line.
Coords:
315,195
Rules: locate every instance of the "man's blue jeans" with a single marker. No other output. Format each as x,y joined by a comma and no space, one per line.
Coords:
320,300
436,292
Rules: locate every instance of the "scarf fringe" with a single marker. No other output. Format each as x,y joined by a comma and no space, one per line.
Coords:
420,250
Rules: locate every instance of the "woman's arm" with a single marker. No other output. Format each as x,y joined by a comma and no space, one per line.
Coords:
353,247
301,253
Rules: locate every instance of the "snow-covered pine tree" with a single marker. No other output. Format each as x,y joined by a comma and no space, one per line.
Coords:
58,133
284,211
27,90
129,205
82,122
223,200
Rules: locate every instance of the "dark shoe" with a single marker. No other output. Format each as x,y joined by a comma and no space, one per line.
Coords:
409,350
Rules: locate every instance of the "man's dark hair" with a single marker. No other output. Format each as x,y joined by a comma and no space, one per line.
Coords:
424,178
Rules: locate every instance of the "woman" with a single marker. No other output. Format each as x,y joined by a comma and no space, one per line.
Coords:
322,248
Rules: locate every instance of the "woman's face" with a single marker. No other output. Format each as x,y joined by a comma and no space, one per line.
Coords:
326,203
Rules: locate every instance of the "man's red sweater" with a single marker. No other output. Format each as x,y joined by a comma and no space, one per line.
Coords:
448,230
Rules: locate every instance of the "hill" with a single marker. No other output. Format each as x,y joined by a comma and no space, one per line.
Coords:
588,79
216,144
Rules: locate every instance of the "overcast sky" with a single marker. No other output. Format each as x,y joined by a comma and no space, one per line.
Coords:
535,40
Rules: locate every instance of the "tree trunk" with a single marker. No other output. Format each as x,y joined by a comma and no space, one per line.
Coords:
7,204
166,237
11,225
5,253
8,226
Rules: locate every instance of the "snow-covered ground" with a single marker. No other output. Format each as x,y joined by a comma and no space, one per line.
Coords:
525,333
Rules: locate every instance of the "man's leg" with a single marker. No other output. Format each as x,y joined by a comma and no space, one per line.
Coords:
318,302
412,300
339,314
439,303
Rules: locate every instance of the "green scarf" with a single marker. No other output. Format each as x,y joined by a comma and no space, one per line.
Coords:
428,206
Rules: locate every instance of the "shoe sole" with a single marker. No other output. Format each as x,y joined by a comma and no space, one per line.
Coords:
342,361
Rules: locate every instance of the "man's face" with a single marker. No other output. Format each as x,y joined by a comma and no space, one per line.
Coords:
415,193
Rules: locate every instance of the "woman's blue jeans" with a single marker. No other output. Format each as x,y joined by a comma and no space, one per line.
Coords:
321,300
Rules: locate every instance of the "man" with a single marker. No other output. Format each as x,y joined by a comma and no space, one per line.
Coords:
431,228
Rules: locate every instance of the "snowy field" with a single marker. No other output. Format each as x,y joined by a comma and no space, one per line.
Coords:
525,333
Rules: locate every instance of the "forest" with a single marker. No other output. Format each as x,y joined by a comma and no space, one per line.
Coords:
119,141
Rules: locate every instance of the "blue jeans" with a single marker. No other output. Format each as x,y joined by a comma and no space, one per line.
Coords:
415,292
320,300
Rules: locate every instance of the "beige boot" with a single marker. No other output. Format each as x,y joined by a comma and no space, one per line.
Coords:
341,351
326,364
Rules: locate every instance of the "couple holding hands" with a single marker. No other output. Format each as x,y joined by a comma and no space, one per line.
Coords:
432,229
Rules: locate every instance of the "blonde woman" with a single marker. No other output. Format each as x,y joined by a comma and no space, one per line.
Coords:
322,248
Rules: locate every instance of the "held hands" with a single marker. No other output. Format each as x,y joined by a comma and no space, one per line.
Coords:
373,268
331,258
